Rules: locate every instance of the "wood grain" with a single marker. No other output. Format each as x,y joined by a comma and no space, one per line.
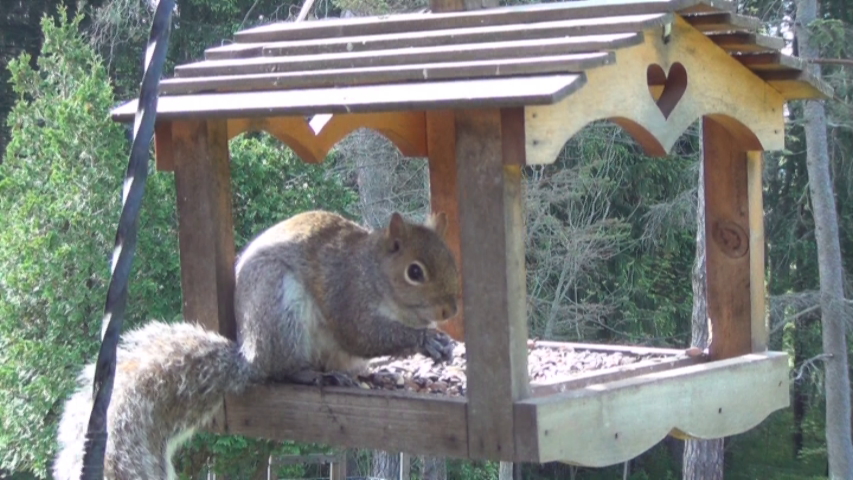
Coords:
444,195
489,92
414,22
164,159
727,237
351,418
494,290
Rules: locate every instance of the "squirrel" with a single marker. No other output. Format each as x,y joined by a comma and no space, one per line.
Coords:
316,297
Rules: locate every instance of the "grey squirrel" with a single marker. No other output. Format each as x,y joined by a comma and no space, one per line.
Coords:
316,296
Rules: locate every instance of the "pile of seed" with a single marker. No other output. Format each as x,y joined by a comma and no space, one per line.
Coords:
421,374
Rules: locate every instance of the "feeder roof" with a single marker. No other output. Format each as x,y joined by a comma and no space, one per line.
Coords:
509,56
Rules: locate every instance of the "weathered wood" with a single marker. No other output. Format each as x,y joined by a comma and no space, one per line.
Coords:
389,24
621,93
377,75
164,160
757,290
406,130
439,6
745,41
722,21
205,229
601,347
494,290
205,223
338,468
405,466
727,259
592,31
769,61
307,459
605,424
798,85
412,55
345,417
444,196
490,92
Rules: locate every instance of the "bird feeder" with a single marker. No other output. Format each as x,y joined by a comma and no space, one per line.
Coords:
482,94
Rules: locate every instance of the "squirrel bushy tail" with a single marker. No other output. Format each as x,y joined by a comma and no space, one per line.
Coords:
147,422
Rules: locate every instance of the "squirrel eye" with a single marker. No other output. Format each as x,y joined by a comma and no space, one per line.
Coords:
415,273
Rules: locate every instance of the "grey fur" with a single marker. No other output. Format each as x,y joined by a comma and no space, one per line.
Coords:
316,297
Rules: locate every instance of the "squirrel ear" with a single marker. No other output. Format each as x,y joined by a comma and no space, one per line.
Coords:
396,231
438,222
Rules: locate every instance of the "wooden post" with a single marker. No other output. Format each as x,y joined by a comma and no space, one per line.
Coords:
494,289
441,149
338,468
205,224
760,331
732,270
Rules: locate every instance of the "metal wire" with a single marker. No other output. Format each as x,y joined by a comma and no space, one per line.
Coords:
125,240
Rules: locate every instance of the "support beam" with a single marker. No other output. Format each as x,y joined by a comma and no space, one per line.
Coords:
205,224
727,226
760,331
441,149
493,287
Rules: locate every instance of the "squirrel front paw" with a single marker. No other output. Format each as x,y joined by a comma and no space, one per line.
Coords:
436,345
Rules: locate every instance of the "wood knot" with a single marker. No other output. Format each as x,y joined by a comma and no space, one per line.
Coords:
732,239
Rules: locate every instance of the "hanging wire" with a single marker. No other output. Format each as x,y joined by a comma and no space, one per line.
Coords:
125,240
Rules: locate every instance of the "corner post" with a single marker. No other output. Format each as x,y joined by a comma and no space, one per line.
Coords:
735,243
205,224
490,155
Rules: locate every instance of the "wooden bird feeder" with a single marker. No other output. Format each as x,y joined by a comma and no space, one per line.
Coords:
481,94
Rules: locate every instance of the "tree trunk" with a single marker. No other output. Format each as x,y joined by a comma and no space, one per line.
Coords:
386,465
703,459
433,468
837,382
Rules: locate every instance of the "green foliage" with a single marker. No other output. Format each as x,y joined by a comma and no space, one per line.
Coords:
59,193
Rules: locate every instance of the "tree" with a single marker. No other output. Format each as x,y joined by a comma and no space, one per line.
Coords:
832,302
60,191
703,459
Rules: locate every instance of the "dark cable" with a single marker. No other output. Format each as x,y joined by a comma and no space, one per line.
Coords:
125,240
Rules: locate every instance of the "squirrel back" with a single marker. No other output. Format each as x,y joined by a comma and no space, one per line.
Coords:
316,296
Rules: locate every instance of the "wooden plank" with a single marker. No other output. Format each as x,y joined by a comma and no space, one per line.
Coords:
380,75
722,21
205,229
414,22
757,289
351,418
410,54
444,196
307,459
746,41
164,159
405,466
462,36
494,290
597,377
798,85
360,99
606,424
439,6
727,258
769,61
611,348
338,468
205,223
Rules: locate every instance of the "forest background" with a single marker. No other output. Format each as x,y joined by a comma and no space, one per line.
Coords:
612,238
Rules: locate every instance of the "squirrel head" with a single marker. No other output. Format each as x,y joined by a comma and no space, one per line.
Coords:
421,270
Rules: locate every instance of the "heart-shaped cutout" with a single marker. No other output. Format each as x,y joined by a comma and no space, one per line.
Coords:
667,90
